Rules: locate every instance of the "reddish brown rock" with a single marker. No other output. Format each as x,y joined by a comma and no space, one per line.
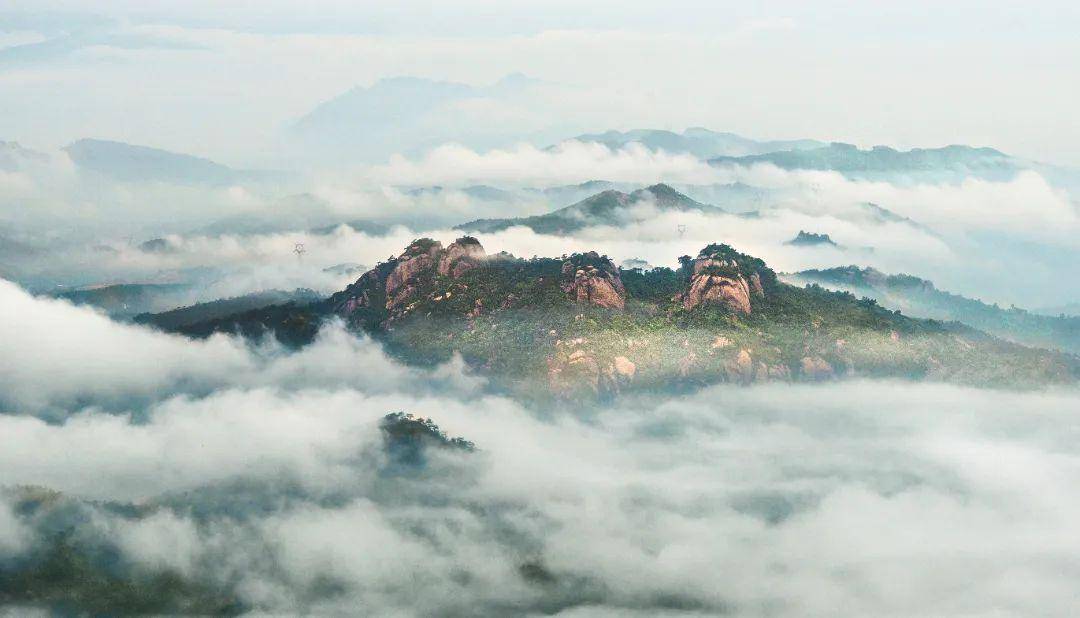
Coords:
740,368
417,261
816,368
593,280
624,367
745,363
717,281
574,376
720,342
730,292
461,256
721,276
755,285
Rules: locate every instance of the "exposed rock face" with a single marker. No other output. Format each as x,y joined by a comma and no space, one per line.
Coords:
707,289
593,280
359,294
574,376
755,285
402,285
722,276
720,342
745,365
624,367
816,368
461,256
395,285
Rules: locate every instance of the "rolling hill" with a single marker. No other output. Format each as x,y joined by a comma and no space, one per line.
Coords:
920,298
131,163
700,142
881,161
610,207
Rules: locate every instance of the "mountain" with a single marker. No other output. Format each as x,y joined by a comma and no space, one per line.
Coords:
918,297
1069,309
131,163
201,312
301,211
882,160
479,192
610,207
562,329
126,300
810,239
409,115
389,101
702,143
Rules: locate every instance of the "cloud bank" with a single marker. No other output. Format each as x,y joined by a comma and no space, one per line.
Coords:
265,477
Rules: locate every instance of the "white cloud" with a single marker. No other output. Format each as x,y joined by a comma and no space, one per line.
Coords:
865,497
15,536
569,162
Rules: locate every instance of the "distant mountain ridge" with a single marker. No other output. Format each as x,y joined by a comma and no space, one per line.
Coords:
610,207
132,163
810,239
700,142
920,298
408,115
880,160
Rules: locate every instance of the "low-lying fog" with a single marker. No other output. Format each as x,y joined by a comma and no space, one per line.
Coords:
265,475
68,228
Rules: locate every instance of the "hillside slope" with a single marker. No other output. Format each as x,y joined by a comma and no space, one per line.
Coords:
576,326
918,297
881,161
610,207
132,163
697,141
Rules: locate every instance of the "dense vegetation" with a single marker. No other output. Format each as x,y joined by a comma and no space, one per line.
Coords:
919,297
72,569
513,320
804,238
126,300
609,207
181,317
73,572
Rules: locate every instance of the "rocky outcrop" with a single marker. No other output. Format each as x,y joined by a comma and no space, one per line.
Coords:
624,368
574,376
720,276
755,285
463,255
359,294
391,288
593,280
417,261
816,368
711,289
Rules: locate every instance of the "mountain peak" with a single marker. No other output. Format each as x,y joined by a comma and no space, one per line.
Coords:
662,189
609,207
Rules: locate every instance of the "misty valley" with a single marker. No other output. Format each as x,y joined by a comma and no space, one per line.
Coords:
529,311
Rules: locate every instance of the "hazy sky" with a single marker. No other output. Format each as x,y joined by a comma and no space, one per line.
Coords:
223,81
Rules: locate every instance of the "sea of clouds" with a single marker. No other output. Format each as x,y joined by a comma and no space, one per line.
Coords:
263,472
63,226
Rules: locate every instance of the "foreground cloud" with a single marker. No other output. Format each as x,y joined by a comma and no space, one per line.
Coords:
60,358
265,478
